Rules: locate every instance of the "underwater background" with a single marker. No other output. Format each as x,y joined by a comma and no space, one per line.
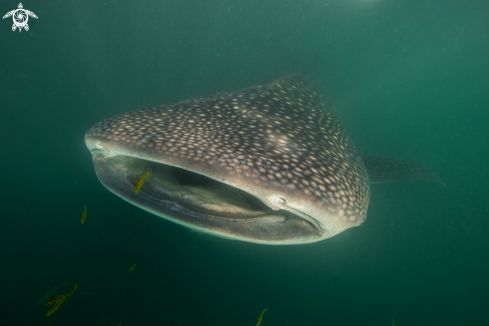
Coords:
407,79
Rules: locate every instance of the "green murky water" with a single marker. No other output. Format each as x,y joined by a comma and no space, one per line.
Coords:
408,79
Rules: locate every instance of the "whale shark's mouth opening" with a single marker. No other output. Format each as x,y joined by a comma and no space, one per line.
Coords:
200,202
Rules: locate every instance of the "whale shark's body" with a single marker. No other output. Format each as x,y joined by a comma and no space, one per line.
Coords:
268,164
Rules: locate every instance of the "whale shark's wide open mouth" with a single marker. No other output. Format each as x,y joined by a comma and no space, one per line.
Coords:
200,202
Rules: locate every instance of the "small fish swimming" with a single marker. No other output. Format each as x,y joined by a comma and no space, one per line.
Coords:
61,297
50,292
140,182
84,215
132,267
59,300
55,307
261,317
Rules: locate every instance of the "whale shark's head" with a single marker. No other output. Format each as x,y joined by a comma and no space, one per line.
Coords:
268,164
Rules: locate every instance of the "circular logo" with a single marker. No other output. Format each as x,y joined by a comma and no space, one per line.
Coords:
20,17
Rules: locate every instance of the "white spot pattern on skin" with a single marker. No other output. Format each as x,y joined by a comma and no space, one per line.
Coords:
290,140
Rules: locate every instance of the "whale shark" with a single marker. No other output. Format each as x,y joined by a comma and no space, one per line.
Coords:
269,164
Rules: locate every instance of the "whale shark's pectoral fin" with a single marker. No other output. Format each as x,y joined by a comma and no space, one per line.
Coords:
382,169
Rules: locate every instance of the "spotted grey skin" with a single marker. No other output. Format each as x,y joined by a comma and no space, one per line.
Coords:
268,164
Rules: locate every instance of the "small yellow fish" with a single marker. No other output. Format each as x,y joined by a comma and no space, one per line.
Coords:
140,182
61,297
55,308
261,317
84,215
120,324
132,267
59,300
